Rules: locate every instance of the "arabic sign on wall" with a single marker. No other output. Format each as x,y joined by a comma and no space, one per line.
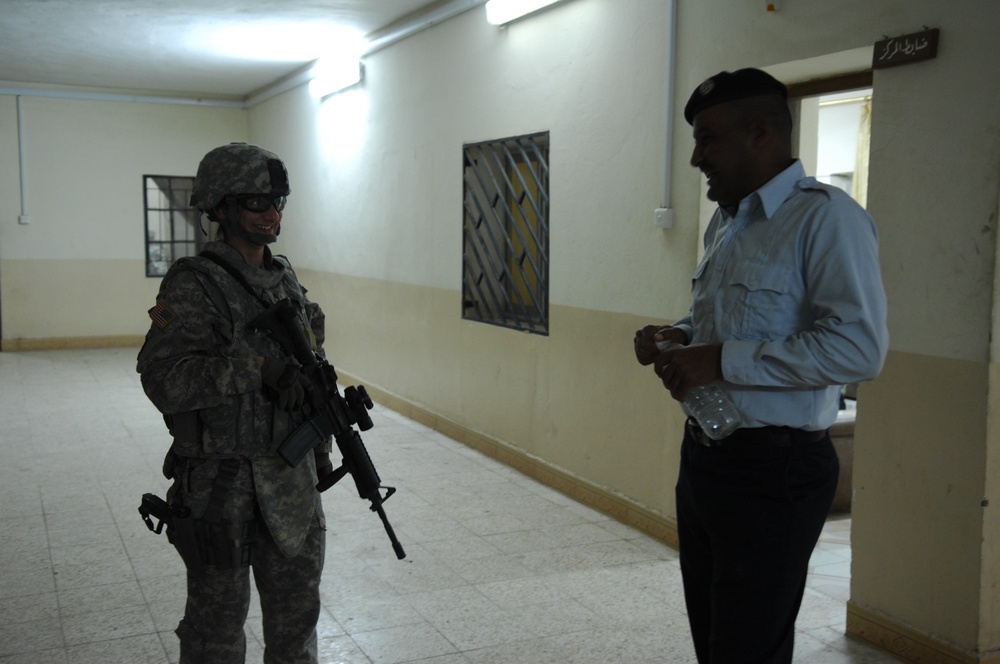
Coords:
895,51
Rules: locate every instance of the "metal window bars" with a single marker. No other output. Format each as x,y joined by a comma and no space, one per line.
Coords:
172,225
505,246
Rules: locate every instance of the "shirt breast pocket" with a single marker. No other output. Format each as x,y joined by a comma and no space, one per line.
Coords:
766,303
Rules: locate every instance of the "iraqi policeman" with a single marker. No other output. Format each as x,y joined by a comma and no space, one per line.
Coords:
787,307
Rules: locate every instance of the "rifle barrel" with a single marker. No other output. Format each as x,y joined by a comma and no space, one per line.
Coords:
396,546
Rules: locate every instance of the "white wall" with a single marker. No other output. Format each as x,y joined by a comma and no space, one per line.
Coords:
78,269
382,196
591,73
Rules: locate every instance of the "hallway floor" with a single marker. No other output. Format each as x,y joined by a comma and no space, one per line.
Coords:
499,569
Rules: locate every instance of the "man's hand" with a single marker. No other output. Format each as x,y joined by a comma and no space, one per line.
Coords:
685,367
646,338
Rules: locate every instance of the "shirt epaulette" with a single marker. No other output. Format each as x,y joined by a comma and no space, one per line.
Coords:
812,184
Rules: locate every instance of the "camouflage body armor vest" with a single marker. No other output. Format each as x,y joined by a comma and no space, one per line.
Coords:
247,424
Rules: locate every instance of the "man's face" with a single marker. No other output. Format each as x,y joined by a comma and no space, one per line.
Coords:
723,151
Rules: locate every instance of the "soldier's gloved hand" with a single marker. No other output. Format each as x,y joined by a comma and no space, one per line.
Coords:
286,380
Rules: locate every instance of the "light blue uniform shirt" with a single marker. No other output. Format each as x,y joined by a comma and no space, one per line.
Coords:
791,287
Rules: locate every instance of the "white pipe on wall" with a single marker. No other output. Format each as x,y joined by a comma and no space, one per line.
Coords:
663,217
110,96
418,22
671,81
20,162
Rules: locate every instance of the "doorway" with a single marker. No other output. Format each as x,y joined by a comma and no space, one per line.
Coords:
834,144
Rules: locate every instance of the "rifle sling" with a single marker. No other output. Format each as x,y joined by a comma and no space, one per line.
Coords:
215,258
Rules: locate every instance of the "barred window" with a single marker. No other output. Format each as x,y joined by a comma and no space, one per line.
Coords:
505,244
173,227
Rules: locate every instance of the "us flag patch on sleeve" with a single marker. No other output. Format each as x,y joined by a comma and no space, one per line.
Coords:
161,315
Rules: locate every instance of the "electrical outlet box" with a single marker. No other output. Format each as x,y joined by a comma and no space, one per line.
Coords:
663,218
24,219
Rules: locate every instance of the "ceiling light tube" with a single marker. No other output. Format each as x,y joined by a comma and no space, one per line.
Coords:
501,12
331,75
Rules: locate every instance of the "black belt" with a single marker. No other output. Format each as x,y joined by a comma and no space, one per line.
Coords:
756,438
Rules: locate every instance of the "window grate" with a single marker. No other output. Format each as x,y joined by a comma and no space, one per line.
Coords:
505,244
173,227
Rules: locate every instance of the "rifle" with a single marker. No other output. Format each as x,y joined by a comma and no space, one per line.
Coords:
334,415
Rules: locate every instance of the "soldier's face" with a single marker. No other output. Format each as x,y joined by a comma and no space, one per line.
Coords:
257,228
266,223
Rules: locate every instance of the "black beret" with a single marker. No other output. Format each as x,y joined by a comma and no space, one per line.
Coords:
730,86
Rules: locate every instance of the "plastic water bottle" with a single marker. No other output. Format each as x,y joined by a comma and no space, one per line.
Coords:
714,410
710,405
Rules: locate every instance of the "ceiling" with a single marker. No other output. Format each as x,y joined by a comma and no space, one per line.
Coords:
181,47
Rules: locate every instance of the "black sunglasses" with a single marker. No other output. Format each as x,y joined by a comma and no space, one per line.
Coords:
262,202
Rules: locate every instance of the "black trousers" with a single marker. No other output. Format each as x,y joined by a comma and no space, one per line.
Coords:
748,518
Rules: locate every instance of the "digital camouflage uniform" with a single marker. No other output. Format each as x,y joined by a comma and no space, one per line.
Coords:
198,368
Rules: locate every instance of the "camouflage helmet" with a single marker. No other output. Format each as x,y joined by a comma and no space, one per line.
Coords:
237,169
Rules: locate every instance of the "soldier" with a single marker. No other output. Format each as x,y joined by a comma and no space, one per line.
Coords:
230,396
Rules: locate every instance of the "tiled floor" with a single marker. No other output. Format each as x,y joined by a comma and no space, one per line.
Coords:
500,569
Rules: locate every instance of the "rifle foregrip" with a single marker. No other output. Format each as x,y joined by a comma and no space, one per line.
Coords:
360,464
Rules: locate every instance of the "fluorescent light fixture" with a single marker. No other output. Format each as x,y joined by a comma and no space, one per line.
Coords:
339,66
501,12
333,74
